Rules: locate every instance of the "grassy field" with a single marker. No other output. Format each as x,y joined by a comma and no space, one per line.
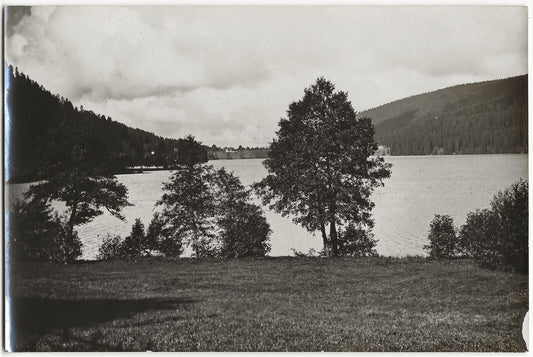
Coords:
273,304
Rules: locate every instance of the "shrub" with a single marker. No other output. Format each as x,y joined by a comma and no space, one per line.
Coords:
498,238
244,232
36,233
137,243
111,248
443,241
66,245
356,242
477,233
511,209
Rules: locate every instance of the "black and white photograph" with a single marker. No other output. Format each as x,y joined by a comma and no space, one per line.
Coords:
265,178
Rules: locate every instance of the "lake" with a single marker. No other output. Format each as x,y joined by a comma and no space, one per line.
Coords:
420,187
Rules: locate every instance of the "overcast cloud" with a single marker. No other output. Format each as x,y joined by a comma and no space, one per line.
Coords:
227,74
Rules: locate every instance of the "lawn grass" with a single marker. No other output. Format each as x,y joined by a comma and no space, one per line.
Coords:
271,304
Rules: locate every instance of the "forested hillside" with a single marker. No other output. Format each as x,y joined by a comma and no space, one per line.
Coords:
40,122
479,118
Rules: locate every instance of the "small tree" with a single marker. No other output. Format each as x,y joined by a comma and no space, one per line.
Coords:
244,231
188,207
134,244
443,242
78,173
210,211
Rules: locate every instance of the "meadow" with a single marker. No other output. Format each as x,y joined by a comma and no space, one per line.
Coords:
267,304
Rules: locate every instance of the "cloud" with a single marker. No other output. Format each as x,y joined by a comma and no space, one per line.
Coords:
227,74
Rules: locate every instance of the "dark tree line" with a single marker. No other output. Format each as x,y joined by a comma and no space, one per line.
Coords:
481,118
40,122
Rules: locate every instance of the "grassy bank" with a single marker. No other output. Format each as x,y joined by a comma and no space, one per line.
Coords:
274,304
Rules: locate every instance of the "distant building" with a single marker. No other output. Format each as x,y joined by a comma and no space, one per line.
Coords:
383,150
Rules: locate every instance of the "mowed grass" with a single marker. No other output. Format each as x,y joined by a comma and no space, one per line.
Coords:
271,304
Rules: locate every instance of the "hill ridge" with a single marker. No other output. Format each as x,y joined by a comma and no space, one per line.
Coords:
474,118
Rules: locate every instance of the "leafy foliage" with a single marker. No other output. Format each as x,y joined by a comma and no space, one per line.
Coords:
111,248
134,244
443,241
35,233
357,242
209,210
78,173
243,229
320,166
498,237
188,207
162,237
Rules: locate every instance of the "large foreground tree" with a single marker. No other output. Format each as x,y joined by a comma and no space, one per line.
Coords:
320,166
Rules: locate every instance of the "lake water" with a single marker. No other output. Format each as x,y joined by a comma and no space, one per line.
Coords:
420,187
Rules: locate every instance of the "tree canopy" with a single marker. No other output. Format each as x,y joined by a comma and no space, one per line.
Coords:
320,166
210,211
78,173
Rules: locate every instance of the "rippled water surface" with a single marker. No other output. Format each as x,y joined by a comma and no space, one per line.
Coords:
420,187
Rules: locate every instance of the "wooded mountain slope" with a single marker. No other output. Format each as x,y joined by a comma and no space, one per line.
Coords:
479,118
39,121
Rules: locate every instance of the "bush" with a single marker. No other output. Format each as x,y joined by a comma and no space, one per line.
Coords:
498,238
443,241
66,247
244,232
37,234
111,248
511,209
356,242
137,243
475,235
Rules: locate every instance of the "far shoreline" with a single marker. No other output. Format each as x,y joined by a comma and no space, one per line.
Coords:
140,170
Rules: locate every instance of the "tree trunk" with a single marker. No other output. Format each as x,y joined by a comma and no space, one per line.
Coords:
195,238
324,239
70,224
333,237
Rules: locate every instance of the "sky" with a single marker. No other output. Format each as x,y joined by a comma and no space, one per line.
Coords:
228,74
